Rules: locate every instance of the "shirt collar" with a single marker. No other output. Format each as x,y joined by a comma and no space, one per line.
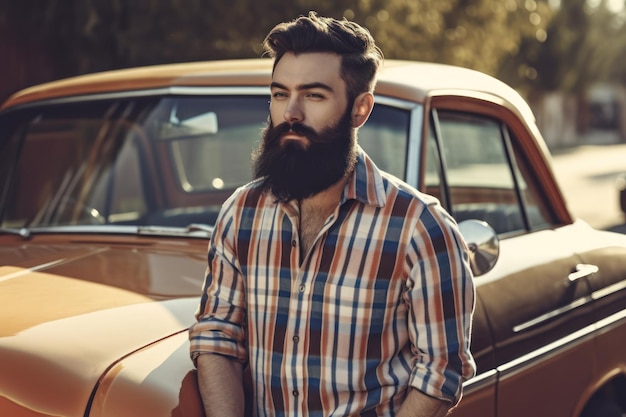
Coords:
366,182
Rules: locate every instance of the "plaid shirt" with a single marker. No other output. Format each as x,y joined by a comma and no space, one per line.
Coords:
382,301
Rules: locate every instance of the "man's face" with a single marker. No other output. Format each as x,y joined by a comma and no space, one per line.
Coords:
309,142
307,88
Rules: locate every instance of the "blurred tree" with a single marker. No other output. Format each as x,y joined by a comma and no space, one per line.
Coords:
556,61
581,46
577,51
610,61
94,35
26,55
531,44
114,33
471,33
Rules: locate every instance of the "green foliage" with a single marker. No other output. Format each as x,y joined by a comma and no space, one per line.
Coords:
470,33
608,41
582,46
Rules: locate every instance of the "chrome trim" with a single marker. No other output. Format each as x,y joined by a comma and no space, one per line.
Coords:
252,90
191,231
244,90
552,314
415,130
611,289
105,228
413,147
606,324
189,91
583,335
89,97
596,295
480,381
396,102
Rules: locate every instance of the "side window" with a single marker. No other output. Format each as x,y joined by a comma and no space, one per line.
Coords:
384,138
481,179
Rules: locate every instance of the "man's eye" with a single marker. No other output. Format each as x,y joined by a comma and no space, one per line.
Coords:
315,96
278,94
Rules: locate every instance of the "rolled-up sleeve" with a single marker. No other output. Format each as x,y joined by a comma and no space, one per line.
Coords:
441,296
219,328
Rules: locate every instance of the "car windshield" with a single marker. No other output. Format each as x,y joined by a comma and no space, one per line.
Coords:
146,161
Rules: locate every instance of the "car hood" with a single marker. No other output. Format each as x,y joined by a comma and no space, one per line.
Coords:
70,312
158,268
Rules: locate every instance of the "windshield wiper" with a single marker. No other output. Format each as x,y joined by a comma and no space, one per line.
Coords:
197,227
194,229
23,231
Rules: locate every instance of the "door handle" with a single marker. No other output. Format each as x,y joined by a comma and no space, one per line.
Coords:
582,271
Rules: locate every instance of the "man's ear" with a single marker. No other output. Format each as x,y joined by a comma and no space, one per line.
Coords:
361,109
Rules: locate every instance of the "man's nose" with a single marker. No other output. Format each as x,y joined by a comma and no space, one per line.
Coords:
293,111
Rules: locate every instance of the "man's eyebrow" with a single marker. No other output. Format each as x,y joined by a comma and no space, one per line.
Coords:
307,86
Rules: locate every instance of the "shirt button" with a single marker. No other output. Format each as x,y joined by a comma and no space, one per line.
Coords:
301,288
293,243
295,339
295,392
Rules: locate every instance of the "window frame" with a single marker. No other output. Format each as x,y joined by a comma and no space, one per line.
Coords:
525,154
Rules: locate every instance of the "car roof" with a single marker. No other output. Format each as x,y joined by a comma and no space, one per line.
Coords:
407,80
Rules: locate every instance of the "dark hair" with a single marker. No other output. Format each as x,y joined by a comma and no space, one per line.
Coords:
360,57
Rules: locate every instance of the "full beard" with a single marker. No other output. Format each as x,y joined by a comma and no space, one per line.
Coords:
292,170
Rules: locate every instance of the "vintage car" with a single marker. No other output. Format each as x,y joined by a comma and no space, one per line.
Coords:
110,184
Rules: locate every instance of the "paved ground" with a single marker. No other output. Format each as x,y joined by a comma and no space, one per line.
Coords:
588,177
618,228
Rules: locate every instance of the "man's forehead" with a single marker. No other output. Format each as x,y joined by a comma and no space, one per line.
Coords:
308,68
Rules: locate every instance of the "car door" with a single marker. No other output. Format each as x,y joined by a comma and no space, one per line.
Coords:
481,168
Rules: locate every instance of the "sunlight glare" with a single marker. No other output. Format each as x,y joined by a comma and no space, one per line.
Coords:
614,6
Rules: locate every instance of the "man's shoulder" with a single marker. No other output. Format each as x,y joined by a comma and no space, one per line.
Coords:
252,190
242,200
400,188
424,206
379,187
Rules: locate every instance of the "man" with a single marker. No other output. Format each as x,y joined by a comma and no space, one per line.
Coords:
344,290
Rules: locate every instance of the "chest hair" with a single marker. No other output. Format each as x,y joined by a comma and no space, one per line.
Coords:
312,220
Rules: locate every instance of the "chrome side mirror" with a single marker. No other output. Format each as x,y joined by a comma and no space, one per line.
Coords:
483,243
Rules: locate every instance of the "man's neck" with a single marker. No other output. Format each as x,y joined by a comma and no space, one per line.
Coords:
314,211
328,199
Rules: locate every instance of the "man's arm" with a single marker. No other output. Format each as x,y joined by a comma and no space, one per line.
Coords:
221,386
418,404
441,295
